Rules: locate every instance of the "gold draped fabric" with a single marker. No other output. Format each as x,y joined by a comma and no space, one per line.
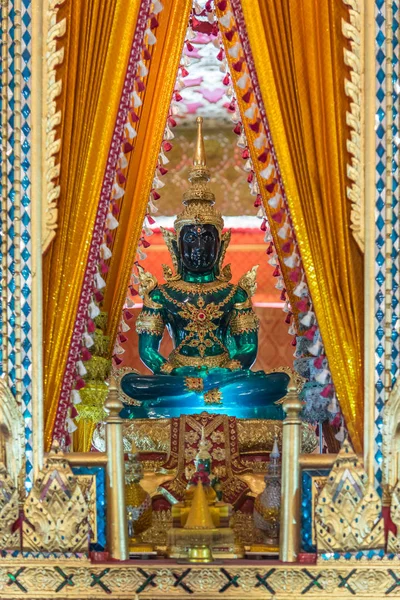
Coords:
298,53
97,46
163,67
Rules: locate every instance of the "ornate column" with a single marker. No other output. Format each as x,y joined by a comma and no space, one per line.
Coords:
117,529
289,542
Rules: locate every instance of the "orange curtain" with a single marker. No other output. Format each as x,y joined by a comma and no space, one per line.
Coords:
297,48
163,67
97,46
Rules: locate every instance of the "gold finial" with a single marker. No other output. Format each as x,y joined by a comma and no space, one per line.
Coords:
113,404
199,516
199,159
203,453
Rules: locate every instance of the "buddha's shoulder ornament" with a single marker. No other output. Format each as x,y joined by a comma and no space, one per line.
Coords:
147,283
248,283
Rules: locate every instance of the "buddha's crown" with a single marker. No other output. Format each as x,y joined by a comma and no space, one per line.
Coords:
198,199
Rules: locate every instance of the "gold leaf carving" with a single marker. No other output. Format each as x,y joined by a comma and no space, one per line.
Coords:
56,511
8,511
354,59
348,514
52,89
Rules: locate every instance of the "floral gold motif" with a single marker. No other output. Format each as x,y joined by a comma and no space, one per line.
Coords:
244,322
213,397
194,384
9,510
150,323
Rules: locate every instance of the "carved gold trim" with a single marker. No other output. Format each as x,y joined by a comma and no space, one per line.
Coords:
53,31
354,89
4,183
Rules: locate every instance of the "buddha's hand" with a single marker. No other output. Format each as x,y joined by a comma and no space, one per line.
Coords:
233,365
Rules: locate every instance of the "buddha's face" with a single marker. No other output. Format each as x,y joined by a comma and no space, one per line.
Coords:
199,247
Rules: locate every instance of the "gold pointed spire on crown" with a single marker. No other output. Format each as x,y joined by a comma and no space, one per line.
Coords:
198,199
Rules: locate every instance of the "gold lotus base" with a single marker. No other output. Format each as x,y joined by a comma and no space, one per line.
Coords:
189,543
138,547
200,554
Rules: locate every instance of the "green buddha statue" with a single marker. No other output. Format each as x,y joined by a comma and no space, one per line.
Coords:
210,320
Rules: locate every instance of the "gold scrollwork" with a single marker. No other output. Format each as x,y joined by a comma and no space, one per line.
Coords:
244,322
150,323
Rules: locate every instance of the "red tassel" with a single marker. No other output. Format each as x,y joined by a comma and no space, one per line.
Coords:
246,97
117,359
189,47
184,72
270,248
153,22
109,237
134,116
318,362
115,209
145,243
133,291
220,55
162,170
74,412
103,267
122,338
85,354
146,54
127,147
226,79
67,439
276,272
277,217
283,295
208,6
128,315
326,392
229,34
263,225
294,342
263,157
150,220
258,201
237,129
288,318
255,126
245,154
120,177
167,146
140,87
178,97
79,384
171,122
155,194
250,177
98,296
91,326
231,106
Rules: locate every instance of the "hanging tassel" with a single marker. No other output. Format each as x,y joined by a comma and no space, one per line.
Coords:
99,281
164,159
71,427
234,50
157,7
260,212
81,368
117,191
105,252
287,308
243,81
292,261
301,289
87,340
152,207
341,434
315,349
322,377
143,70
251,111
308,319
93,310
242,141
225,20
275,200
273,261
111,222
123,163
124,326
151,38
157,183
260,140
168,135
248,166
136,100
76,397
117,348
130,131
142,255
280,284
292,329
283,231
267,172
254,189
268,238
